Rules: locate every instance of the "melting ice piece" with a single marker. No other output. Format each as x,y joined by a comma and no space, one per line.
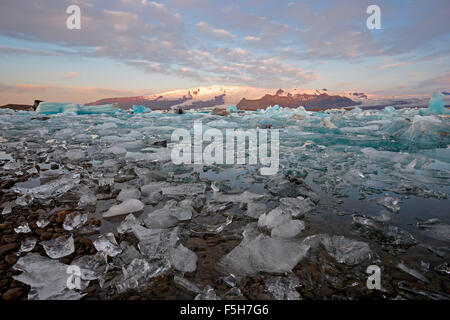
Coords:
344,250
289,229
183,259
47,278
274,218
160,219
27,245
255,209
260,253
297,207
435,229
283,288
74,220
436,105
128,206
137,273
59,247
244,197
219,228
389,203
128,223
384,233
207,294
52,189
129,193
412,272
92,266
186,284
23,228
42,223
107,244
7,207
87,200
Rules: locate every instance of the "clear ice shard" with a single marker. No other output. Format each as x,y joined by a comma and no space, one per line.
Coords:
23,228
289,229
92,267
127,224
283,288
344,250
27,245
255,209
297,207
384,233
47,278
183,259
52,189
208,293
436,229
59,247
389,203
416,274
274,218
129,193
128,206
186,284
74,220
260,253
107,244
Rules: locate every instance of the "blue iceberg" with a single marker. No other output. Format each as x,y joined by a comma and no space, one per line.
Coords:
56,107
232,108
141,109
435,106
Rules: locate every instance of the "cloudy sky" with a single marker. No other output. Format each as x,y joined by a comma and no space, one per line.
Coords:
133,47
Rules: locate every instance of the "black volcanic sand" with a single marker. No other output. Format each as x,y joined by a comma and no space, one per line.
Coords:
319,274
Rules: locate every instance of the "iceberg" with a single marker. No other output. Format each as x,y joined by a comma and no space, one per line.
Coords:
49,108
435,106
140,109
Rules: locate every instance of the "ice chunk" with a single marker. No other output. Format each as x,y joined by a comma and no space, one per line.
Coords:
344,250
297,207
128,206
47,278
260,253
74,220
283,288
160,219
385,234
137,274
255,209
27,245
129,193
92,267
289,229
186,284
107,244
127,224
7,207
435,229
87,200
59,247
42,223
23,228
68,108
389,203
207,294
274,218
52,189
140,109
412,272
183,259
244,197
436,105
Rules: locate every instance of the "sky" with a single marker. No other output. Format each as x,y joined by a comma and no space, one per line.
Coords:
137,47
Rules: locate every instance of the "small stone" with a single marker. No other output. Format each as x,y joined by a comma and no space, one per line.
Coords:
13,294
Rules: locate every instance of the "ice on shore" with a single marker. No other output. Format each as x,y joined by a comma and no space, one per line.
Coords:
47,278
107,244
183,259
59,247
283,288
128,206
